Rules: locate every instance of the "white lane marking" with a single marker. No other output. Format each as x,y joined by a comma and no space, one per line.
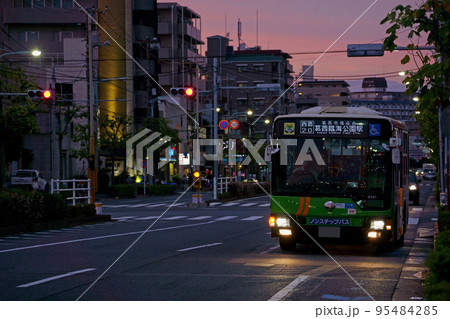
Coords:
156,205
174,217
417,209
286,290
265,205
147,218
34,283
199,218
251,218
248,204
413,221
230,204
124,217
225,218
198,247
177,204
138,205
103,237
115,206
214,204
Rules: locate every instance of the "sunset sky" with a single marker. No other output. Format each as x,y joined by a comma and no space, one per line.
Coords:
301,26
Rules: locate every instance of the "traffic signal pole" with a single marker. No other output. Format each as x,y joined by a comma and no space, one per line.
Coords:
92,172
216,164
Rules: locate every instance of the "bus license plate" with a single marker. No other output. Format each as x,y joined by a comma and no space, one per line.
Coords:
330,232
329,221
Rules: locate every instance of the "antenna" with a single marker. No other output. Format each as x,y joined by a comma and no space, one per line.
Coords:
239,33
257,28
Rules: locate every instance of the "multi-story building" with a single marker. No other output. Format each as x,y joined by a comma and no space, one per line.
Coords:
58,29
322,92
374,95
254,84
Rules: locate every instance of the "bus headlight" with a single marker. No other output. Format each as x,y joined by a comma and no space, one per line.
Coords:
283,222
377,224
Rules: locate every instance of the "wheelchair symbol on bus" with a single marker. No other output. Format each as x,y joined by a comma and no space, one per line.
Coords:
374,130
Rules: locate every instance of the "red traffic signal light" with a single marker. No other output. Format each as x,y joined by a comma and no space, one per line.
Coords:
188,92
40,94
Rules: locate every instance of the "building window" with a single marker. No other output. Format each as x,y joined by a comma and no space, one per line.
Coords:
275,80
29,3
241,84
68,4
59,36
242,102
258,67
26,36
64,91
258,102
274,67
242,68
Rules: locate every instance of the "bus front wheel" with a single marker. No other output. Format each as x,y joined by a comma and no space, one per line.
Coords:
287,243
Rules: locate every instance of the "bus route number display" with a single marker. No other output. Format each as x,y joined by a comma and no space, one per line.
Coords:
332,127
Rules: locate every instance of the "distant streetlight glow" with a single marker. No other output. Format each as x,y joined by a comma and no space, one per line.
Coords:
249,112
415,99
267,121
33,53
36,53
402,73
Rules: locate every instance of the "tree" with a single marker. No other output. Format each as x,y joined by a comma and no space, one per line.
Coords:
70,114
114,136
429,21
17,115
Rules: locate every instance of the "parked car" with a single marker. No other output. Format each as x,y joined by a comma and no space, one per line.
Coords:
429,175
29,178
414,190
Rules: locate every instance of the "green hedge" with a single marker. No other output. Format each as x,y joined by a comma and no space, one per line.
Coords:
28,208
437,283
126,190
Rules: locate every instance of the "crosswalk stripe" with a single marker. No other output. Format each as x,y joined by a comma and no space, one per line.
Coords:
138,205
177,204
174,217
199,218
230,204
156,205
147,218
265,205
252,218
225,218
214,204
248,204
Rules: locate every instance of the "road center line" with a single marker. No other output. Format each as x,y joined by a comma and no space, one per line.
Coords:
34,283
103,237
198,247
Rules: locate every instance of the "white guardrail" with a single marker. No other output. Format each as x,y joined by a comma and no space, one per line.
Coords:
222,183
80,188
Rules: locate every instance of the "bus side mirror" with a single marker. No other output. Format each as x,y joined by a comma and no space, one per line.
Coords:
396,158
268,154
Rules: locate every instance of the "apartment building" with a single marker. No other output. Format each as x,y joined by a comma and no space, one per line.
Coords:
58,29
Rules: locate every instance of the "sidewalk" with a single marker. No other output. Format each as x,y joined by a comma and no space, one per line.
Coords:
410,285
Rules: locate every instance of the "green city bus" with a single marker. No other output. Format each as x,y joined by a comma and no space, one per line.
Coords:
339,175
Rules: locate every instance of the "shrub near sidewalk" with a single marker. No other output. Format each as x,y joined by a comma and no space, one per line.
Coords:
437,283
242,190
28,208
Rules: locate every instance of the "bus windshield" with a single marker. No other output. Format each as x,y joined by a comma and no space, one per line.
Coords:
339,167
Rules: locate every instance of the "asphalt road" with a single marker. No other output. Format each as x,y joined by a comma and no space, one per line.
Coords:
223,252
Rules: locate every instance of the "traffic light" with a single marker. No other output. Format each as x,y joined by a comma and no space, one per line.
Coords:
197,180
40,94
188,91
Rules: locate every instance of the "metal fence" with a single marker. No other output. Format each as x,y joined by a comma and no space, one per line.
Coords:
80,189
222,183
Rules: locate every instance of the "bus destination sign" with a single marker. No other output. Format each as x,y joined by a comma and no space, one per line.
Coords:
333,127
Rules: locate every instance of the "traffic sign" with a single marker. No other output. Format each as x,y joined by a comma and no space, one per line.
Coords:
144,164
223,124
234,124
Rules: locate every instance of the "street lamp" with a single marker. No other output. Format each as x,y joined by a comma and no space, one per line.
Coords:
249,112
35,53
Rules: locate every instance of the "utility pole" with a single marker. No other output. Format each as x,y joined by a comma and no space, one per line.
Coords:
215,124
54,162
92,170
